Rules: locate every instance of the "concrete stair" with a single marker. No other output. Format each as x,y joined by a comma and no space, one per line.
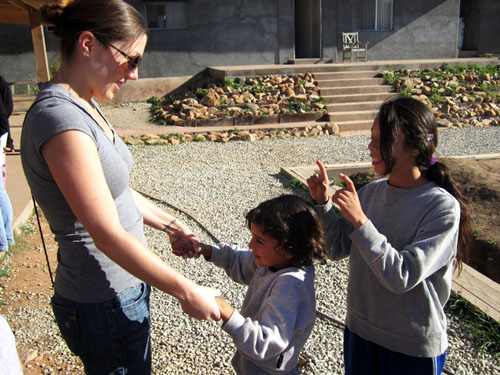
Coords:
22,102
313,60
353,96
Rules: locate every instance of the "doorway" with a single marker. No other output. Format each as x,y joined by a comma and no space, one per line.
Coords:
308,29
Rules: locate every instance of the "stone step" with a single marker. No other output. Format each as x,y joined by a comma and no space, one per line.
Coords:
22,102
358,106
357,98
310,61
327,76
345,82
352,116
348,90
356,125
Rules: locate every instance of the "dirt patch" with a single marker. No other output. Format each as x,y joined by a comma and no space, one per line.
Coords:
480,181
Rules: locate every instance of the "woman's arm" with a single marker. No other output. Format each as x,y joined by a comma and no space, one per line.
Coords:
157,218
75,165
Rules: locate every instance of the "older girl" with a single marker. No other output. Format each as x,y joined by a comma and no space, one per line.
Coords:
403,235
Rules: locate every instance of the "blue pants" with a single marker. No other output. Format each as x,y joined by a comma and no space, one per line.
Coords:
111,338
363,357
6,235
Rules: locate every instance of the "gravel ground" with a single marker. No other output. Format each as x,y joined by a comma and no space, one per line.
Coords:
218,183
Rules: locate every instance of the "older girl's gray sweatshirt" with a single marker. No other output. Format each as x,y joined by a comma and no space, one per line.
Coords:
400,265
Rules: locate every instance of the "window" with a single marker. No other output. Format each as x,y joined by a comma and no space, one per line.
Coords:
166,14
377,15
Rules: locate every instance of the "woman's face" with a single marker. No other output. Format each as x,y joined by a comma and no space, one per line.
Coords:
113,68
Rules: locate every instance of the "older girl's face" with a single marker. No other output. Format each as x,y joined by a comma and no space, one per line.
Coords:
115,68
405,157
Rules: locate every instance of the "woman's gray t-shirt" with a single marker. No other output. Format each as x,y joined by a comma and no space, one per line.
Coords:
84,274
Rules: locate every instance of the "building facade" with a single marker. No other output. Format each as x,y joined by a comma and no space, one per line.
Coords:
188,36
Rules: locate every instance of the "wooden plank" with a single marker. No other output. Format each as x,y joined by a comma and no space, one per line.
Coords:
479,290
38,37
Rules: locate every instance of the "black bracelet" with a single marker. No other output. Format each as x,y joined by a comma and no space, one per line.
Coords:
167,227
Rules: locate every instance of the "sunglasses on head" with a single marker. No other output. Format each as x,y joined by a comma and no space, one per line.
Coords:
132,62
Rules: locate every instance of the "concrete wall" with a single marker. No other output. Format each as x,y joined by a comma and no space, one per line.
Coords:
222,32
482,26
421,29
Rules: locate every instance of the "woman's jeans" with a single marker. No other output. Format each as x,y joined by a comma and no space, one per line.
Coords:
6,235
111,337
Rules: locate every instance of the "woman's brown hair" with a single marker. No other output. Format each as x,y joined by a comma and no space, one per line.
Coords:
108,20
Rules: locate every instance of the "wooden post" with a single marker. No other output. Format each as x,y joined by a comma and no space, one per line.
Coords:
37,35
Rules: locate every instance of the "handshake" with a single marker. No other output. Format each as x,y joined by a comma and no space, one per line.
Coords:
190,249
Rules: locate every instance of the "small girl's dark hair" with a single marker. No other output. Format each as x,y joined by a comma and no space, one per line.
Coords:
294,224
108,20
418,124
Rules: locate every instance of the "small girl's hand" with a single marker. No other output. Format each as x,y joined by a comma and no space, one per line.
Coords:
348,201
183,247
318,185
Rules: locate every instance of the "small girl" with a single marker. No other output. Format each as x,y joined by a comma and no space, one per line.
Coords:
403,234
279,309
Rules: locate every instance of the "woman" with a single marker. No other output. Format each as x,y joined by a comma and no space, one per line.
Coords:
78,170
403,234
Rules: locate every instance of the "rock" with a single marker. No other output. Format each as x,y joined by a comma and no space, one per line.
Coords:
174,140
150,136
190,102
289,92
134,141
443,123
211,99
426,90
234,110
247,97
332,128
252,107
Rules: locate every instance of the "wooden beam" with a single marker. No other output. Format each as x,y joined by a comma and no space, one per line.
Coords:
42,65
481,291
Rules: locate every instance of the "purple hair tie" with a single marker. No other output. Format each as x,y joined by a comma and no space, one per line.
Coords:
431,163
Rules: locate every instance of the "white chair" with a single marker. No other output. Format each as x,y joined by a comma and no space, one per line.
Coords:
353,49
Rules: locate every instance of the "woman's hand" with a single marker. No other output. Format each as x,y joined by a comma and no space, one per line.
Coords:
319,185
199,302
348,201
183,247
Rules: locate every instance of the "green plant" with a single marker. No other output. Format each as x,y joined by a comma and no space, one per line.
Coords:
295,183
476,232
360,180
337,182
406,92
297,105
201,92
230,83
484,329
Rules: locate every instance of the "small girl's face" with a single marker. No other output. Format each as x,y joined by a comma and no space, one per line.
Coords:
266,251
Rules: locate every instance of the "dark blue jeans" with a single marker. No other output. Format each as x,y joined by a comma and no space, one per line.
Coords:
111,338
362,357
